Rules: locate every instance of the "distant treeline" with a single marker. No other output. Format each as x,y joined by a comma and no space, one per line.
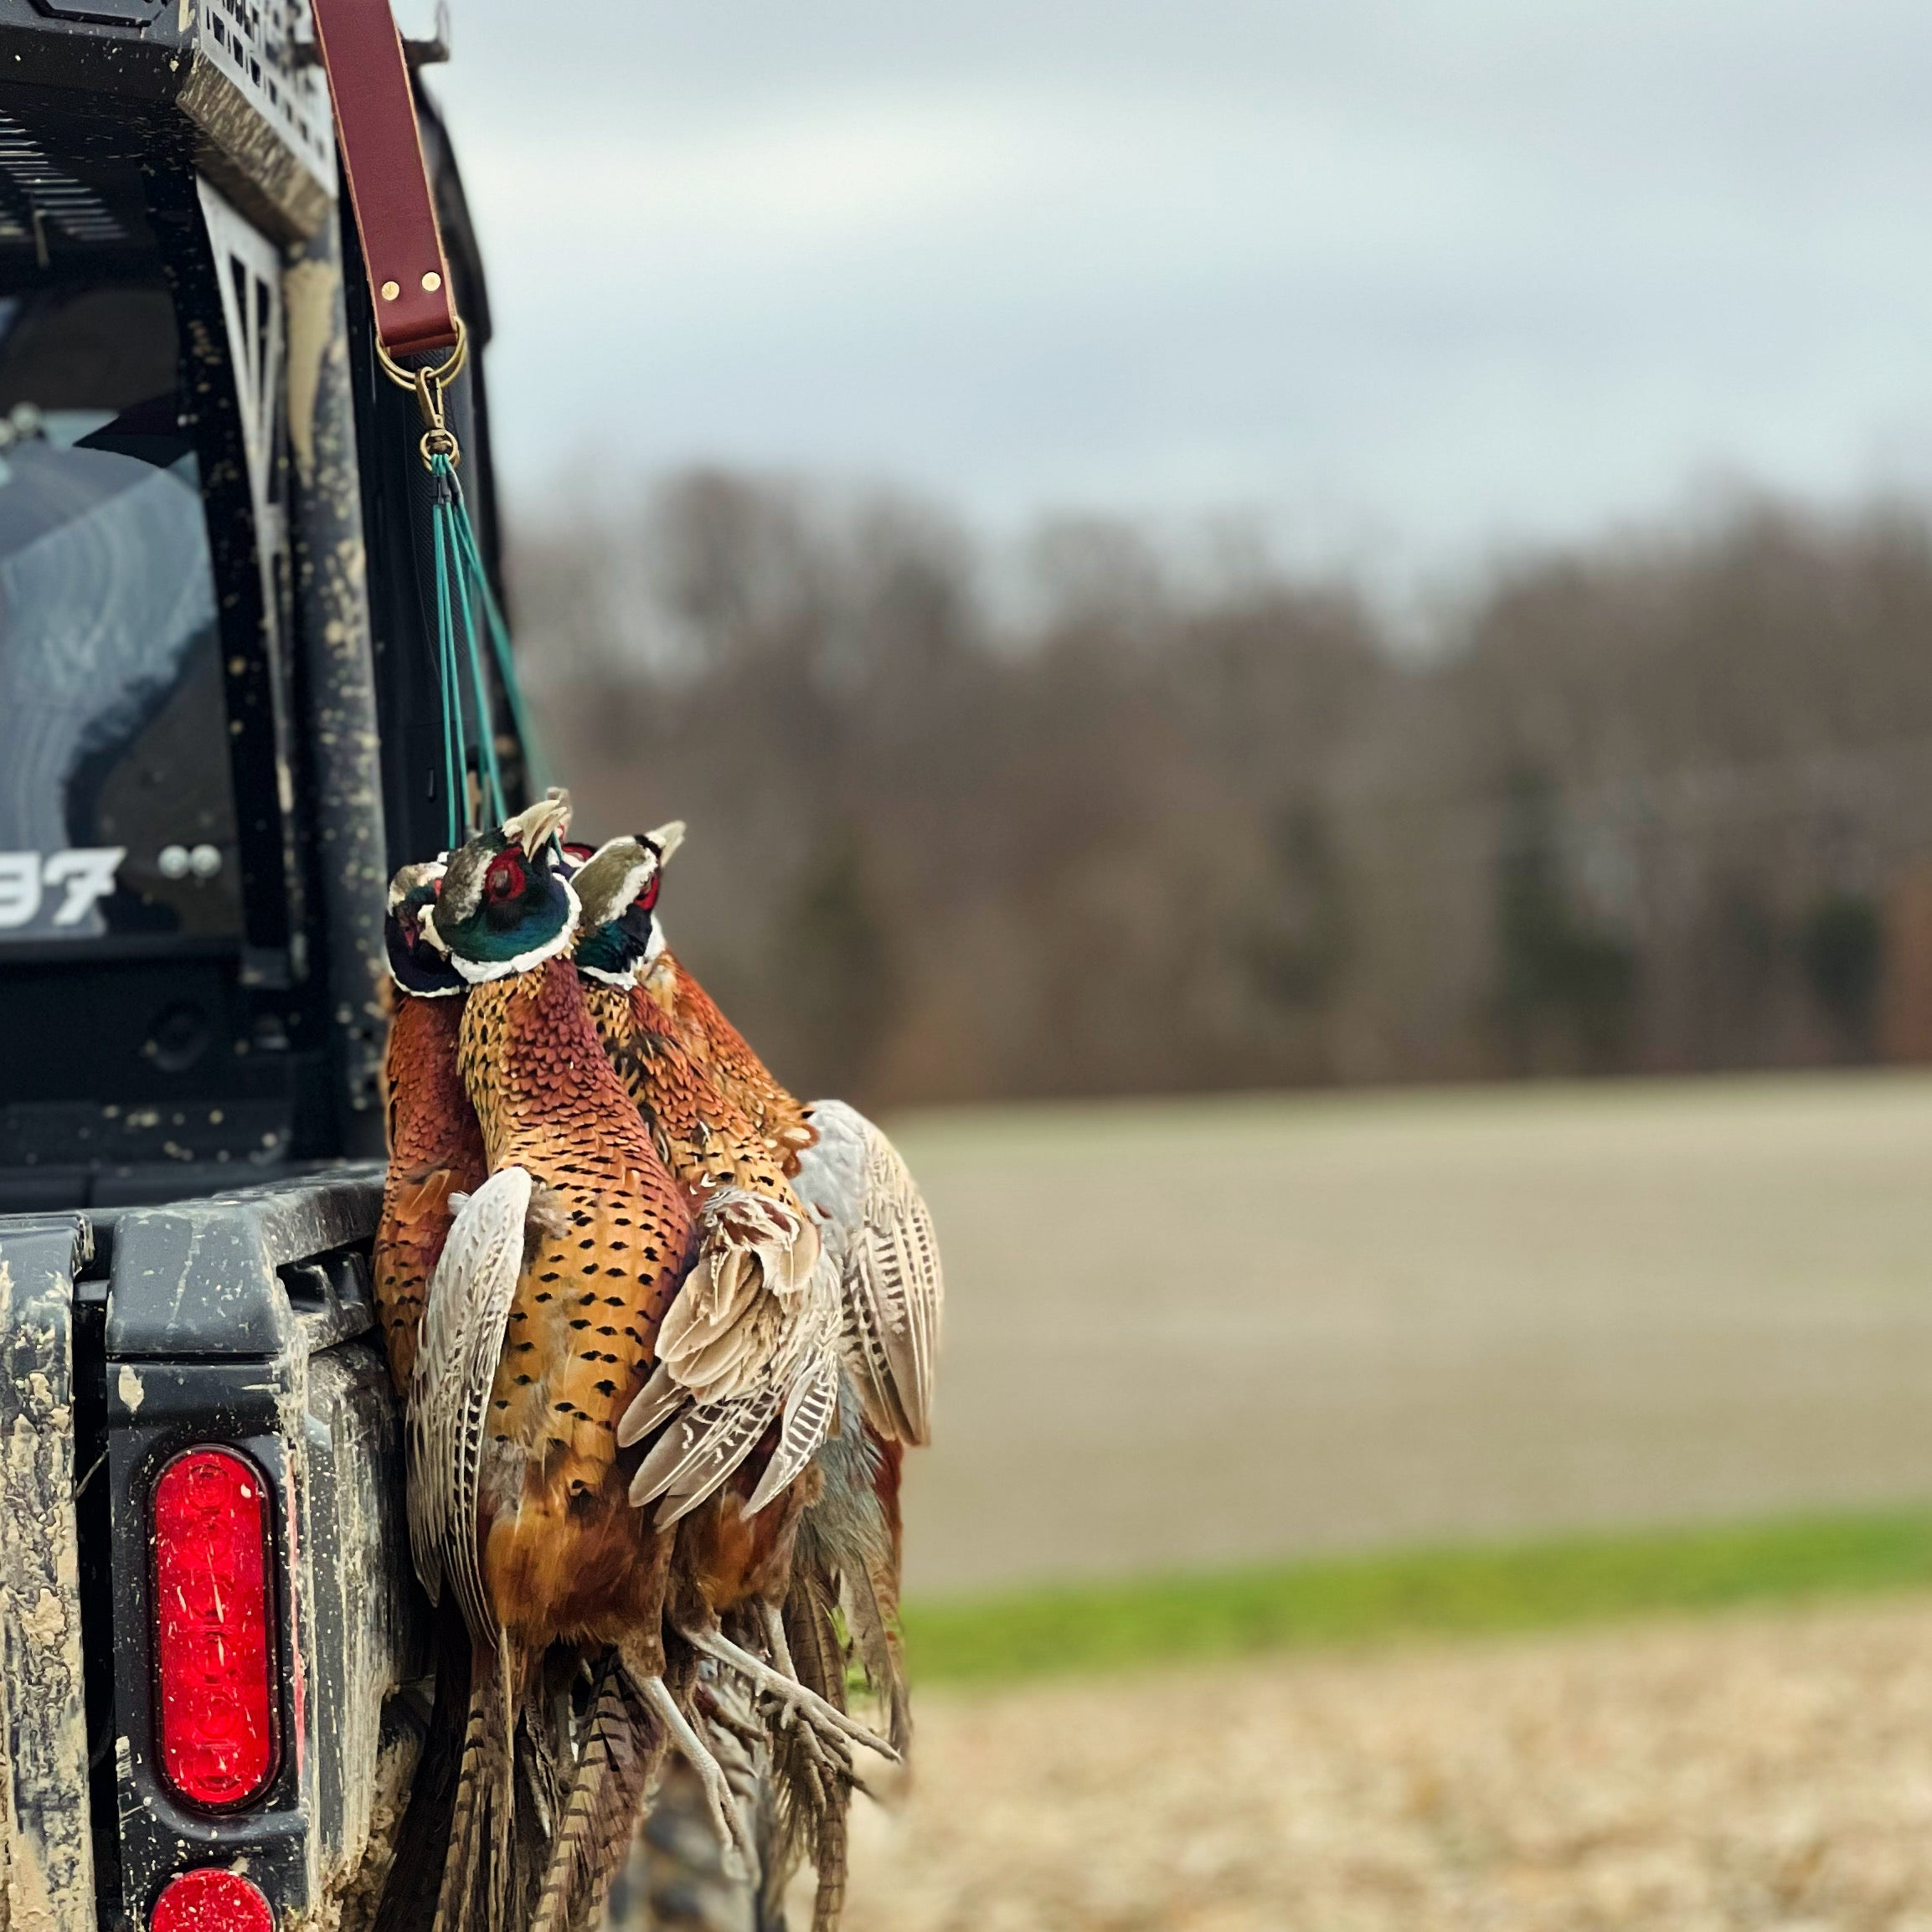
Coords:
1660,803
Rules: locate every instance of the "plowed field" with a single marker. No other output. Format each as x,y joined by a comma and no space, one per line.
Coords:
1769,1771
1215,1332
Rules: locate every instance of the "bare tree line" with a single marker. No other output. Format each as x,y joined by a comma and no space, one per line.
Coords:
1659,803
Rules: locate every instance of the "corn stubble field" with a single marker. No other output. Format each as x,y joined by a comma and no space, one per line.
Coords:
1219,1333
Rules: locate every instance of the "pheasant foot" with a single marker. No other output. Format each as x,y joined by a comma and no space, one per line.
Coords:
740,1855
826,1720
824,1761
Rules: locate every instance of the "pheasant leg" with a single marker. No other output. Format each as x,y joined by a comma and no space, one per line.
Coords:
780,1647
825,1757
825,1718
725,1820
780,1644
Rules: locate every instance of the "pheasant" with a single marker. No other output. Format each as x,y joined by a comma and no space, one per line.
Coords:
722,1122
541,1322
436,1145
436,1156
750,1341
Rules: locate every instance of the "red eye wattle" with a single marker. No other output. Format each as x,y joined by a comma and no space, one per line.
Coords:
648,898
506,877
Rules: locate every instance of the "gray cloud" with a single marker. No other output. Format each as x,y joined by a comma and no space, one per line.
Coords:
1407,279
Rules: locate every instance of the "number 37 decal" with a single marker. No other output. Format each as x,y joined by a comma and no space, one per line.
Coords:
58,890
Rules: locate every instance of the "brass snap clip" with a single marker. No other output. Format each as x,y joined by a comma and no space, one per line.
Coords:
430,385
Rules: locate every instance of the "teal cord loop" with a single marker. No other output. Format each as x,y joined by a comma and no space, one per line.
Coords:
534,762
463,590
449,676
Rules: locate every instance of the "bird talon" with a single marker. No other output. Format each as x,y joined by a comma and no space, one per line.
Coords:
824,1717
777,1713
830,1753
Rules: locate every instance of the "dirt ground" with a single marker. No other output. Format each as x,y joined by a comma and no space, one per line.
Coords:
1769,1771
1219,1331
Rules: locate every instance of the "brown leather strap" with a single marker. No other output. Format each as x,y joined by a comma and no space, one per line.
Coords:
388,182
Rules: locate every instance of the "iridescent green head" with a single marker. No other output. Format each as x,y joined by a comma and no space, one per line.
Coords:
506,904
618,888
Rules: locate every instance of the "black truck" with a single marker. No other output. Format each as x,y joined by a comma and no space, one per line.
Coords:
219,734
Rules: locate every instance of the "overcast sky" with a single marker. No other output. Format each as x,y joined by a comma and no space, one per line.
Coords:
1405,280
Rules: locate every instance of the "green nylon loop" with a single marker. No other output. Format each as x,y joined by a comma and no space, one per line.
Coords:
486,725
463,585
455,752
537,764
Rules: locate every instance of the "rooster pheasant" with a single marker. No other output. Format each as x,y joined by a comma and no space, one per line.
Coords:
746,1385
726,1125
541,1322
436,1145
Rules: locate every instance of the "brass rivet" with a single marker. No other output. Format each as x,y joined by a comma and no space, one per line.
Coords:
391,290
431,282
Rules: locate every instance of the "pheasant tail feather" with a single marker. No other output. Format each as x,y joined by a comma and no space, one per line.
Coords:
606,1800
468,1824
820,1657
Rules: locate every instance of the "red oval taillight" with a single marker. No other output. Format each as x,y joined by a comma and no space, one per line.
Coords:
210,1901
214,1628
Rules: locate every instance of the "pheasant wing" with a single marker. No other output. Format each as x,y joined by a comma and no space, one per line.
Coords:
772,1354
698,1450
470,1299
810,1405
893,1289
659,1399
896,1270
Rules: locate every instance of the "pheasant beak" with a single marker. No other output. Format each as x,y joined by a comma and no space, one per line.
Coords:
667,838
548,818
426,926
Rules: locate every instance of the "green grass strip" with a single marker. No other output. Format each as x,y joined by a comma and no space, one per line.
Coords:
1433,1592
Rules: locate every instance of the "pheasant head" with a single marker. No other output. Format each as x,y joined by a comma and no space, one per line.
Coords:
414,963
506,904
617,885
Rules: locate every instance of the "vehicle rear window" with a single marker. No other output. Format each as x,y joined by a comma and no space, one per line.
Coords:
116,808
